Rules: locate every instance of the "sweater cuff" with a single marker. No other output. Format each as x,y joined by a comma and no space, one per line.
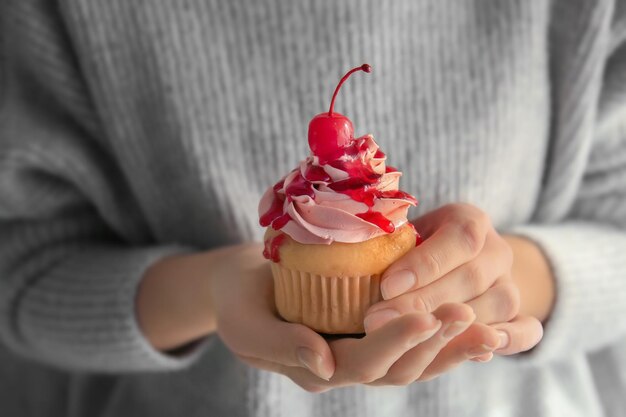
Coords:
82,315
589,268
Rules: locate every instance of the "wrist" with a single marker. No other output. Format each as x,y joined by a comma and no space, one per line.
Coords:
533,276
174,304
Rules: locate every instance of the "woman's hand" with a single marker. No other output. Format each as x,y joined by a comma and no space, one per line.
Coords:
231,290
242,288
243,299
464,260
185,297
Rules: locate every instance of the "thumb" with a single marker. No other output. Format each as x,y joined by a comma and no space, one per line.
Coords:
270,339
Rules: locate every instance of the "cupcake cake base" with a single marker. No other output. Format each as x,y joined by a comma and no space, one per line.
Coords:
325,304
330,287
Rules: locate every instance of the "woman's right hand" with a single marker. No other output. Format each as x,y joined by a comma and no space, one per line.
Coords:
247,322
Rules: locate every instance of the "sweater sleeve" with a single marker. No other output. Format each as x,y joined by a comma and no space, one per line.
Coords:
73,241
587,250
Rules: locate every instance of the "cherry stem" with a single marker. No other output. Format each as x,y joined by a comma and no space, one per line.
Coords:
364,68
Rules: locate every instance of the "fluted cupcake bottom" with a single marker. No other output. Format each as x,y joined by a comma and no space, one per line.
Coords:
327,304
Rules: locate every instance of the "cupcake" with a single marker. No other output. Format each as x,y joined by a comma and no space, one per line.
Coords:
334,224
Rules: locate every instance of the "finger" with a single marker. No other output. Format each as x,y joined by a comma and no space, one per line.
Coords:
455,318
466,282
262,364
367,359
521,334
289,344
361,360
477,342
498,304
305,379
452,245
431,221
245,329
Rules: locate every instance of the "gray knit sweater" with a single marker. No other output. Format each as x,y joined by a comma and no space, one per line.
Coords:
133,129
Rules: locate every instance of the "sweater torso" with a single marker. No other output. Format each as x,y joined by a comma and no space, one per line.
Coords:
190,112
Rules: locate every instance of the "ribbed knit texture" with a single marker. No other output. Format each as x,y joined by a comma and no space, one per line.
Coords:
130,130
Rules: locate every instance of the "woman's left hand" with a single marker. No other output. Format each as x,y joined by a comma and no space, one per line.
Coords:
463,259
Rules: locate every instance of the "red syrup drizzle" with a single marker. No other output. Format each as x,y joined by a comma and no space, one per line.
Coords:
299,186
377,218
272,246
359,186
275,216
281,221
316,173
418,237
276,209
274,212
330,137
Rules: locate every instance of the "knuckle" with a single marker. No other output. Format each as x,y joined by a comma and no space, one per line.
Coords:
424,300
510,301
477,279
431,301
420,303
466,210
472,234
456,208
451,209
431,263
483,218
471,223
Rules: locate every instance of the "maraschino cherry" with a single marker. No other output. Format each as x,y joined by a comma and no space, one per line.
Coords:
330,132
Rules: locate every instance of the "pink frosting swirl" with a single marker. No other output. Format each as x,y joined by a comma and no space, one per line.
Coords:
351,199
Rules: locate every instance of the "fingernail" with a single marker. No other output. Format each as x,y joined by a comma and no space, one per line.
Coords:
313,362
480,350
504,339
379,318
455,328
397,283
